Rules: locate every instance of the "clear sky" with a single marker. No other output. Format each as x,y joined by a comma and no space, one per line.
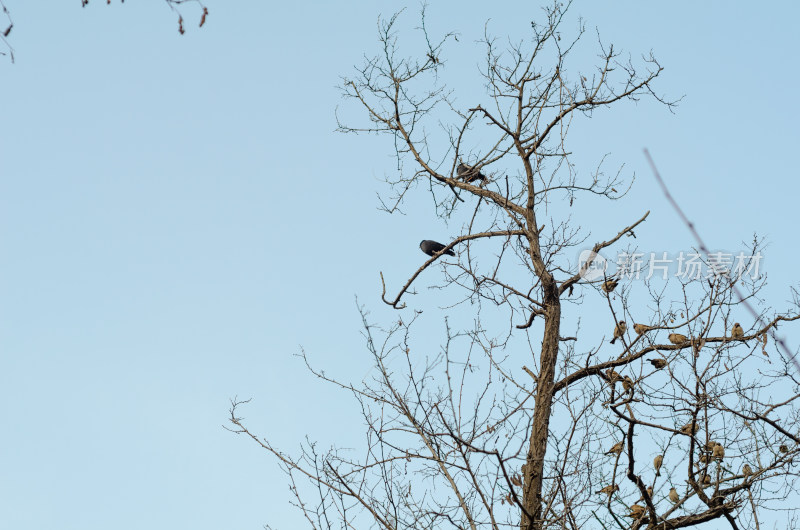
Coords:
178,217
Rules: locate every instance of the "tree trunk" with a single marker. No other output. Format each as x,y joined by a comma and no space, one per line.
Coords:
533,470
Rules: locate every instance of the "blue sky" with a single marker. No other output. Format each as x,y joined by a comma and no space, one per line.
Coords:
178,217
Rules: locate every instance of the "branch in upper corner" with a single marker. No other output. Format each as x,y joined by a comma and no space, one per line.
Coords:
4,33
5,28
702,245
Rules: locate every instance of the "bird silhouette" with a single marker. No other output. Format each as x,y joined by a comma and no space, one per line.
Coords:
469,173
432,247
658,364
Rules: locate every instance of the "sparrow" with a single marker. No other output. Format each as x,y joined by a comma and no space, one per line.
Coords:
613,376
673,495
619,329
718,452
649,494
658,364
616,448
637,510
697,345
609,285
738,333
687,429
783,449
627,384
657,461
747,470
677,338
609,490
641,329
706,480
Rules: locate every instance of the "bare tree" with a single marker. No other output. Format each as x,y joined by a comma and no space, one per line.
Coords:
174,5
686,419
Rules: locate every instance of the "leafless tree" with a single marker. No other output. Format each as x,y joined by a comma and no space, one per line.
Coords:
686,420
174,5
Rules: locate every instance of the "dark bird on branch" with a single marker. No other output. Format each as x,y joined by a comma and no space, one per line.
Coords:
431,247
658,364
469,173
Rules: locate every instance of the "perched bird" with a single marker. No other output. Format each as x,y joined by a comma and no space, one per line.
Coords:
706,480
432,247
649,494
747,470
677,338
641,329
673,495
609,490
469,173
619,329
616,448
705,458
609,285
738,333
783,449
697,345
687,429
718,452
613,376
658,364
657,461
637,510
627,384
